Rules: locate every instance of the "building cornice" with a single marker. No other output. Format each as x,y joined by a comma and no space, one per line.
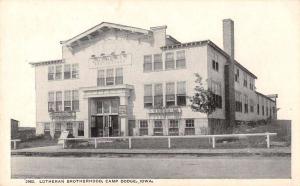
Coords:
49,62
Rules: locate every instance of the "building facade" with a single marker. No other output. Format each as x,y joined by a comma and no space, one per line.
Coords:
116,80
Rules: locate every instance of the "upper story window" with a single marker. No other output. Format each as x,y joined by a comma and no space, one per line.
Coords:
180,59
238,102
147,63
58,101
51,103
75,100
148,96
109,76
67,101
217,93
251,105
158,65
119,76
51,72
251,83
215,65
101,78
158,95
169,62
245,103
58,72
181,93
237,75
170,94
245,79
75,71
67,71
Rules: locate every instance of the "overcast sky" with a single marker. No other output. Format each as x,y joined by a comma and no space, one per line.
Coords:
266,40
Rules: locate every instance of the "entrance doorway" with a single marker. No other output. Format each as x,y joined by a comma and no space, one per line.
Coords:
105,126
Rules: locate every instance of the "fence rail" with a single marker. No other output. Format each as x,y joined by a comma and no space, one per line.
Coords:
97,140
15,142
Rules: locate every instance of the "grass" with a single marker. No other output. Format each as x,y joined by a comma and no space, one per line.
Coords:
38,141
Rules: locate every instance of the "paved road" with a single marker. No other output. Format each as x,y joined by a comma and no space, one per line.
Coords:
151,167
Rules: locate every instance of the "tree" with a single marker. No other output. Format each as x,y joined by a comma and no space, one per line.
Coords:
203,101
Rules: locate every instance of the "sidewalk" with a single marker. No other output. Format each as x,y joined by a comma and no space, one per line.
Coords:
59,151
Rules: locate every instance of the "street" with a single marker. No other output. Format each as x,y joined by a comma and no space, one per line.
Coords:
175,167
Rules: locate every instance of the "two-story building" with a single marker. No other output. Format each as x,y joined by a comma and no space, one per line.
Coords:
116,80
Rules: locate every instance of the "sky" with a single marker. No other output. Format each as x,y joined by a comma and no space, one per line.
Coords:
267,40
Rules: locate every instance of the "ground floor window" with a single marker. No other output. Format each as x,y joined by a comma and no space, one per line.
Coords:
143,127
80,129
70,127
47,127
189,127
57,127
158,128
173,128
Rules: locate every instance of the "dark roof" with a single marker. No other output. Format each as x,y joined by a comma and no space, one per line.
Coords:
208,42
264,96
49,62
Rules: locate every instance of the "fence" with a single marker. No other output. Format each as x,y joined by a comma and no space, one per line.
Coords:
212,138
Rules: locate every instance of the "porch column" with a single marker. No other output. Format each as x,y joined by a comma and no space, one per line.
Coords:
123,115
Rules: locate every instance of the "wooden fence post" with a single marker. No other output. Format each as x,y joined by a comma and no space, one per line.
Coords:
268,140
129,142
95,143
169,142
213,142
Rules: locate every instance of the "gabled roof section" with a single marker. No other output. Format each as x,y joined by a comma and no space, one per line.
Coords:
173,39
101,27
265,96
49,62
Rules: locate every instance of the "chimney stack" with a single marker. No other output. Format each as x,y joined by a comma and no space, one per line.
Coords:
159,35
228,37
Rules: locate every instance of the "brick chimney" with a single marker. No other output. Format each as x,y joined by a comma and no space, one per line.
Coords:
228,37
159,35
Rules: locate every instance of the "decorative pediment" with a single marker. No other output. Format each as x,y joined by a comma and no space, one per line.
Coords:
101,29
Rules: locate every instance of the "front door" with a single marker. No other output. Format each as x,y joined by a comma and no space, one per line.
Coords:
111,126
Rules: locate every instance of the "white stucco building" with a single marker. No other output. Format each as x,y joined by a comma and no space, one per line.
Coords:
116,80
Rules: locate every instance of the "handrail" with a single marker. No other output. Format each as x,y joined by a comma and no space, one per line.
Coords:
213,137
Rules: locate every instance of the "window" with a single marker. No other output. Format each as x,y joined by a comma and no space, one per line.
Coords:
47,126
189,127
115,106
238,102
173,127
251,105
251,83
51,103
80,129
67,71
147,63
50,72
245,79
58,127
216,90
143,127
169,62
158,128
101,78
109,76
215,65
257,109
67,101
246,104
58,71
106,106
158,62
170,94
180,59
58,101
75,71
181,93
148,96
119,76
99,106
70,127
75,100
237,75
158,95
263,110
